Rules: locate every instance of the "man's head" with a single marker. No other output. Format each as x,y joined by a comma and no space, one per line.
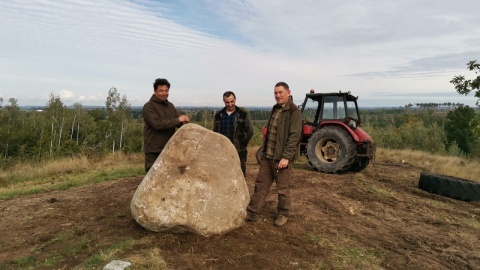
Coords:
282,93
229,100
161,88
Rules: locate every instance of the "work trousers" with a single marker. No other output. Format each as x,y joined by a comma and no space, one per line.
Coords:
243,161
149,160
266,175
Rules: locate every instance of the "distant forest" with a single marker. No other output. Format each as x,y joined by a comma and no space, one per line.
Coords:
58,131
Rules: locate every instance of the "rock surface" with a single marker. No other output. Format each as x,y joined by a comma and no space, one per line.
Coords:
196,185
116,265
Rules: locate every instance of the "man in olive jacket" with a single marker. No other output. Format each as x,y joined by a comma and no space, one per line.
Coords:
279,149
161,120
236,125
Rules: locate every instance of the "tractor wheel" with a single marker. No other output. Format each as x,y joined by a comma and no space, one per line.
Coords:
258,154
360,164
331,150
448,186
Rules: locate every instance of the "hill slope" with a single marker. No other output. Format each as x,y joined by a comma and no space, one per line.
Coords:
375,219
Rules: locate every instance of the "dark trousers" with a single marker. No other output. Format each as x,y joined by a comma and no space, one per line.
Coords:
266,175
149,160
243,161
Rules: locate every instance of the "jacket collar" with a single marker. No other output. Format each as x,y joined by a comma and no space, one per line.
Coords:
225,109
285,106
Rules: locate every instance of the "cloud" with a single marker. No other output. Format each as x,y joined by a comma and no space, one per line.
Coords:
206,47
66,95
425,67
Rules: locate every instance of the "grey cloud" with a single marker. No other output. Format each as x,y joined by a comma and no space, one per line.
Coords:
346,24
426,67
419,94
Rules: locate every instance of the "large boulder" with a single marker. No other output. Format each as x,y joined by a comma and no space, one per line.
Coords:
195,185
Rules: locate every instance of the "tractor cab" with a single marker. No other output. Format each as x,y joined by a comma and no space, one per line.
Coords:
341,106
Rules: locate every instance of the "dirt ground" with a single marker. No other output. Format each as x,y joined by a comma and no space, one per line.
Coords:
375,219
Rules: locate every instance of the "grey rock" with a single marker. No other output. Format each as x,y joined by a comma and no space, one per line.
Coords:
116,265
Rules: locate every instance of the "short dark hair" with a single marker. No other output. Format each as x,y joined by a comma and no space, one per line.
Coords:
160,81
285,85
229,93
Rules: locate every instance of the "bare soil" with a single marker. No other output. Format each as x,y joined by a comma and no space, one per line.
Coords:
375,219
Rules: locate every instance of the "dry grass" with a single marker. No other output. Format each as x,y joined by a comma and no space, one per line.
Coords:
150,258
252,150
25,171
446,165
453,166
67,173
29,171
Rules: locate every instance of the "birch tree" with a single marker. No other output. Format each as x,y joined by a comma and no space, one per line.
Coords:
12,112
118,114
113,100
125,112
55,113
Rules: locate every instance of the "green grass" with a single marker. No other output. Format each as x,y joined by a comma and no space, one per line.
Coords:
79,246
70,236
27,262
359,178
347,253
104,256
67,236
439,204
378,190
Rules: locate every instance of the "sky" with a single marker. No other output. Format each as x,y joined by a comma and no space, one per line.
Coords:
389,53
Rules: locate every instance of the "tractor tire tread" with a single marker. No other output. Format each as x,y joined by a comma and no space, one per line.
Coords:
449,186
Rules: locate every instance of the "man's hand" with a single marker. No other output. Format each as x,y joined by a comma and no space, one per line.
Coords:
184,119
282,164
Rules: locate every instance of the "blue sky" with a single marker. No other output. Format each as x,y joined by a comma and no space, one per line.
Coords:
387,52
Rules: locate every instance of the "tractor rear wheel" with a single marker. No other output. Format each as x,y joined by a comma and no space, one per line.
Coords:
331,150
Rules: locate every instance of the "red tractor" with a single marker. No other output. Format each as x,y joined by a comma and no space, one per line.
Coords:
331,137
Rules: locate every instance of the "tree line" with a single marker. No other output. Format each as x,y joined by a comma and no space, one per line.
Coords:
436,131
58,131
434,105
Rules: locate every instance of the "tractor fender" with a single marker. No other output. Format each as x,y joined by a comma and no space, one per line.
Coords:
359,135
362,135
343,125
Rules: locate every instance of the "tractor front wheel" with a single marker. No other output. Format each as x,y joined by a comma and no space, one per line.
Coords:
331,150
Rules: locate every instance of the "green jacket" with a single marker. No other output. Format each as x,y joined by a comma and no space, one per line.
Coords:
161,121
289,132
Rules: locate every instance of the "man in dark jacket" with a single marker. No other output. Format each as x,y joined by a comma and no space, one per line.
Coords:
161,120
236,125
279,149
